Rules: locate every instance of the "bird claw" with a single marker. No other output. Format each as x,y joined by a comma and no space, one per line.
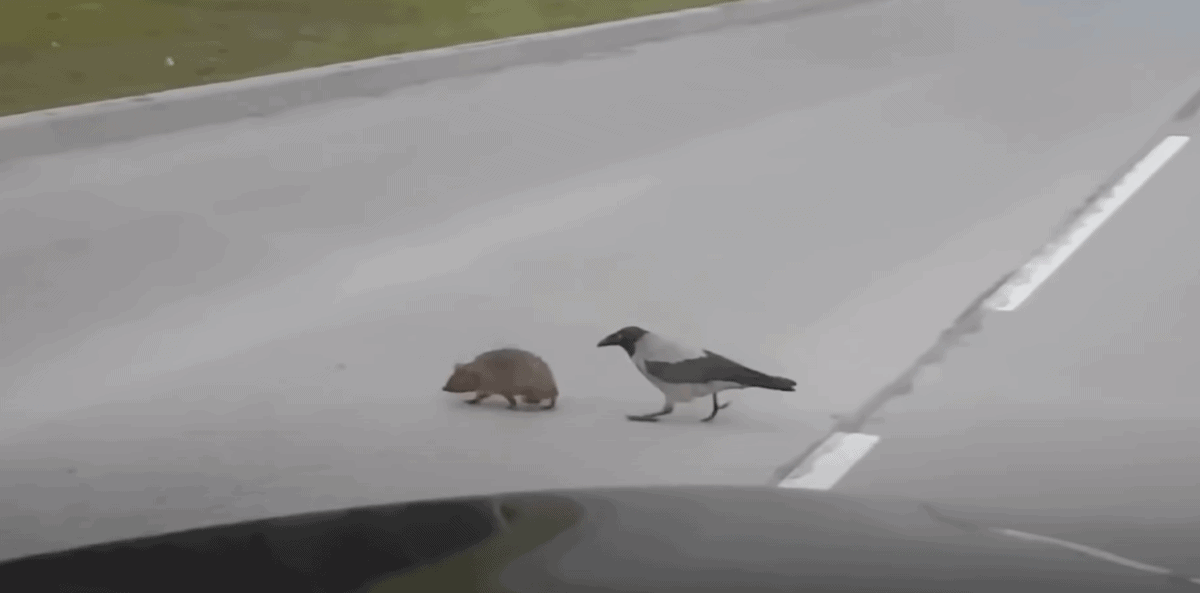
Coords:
718,407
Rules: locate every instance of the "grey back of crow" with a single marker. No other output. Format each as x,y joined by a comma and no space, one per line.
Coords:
714,368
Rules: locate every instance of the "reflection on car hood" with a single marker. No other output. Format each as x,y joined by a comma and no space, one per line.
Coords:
626,539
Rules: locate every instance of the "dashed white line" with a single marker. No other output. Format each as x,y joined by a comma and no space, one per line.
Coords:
831,462
838,454
1043,264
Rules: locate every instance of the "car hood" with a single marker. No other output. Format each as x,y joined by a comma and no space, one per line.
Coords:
621,539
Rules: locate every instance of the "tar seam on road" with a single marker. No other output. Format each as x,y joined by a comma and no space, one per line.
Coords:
971,319
1189,109
969,322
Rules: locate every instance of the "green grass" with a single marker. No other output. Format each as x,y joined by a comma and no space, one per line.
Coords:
65,52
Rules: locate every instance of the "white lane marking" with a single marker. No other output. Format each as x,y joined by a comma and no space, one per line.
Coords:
1086,550
831,461
1051,257
459,247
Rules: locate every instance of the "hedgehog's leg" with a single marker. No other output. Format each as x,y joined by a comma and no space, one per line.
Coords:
553,402
479,396
512,401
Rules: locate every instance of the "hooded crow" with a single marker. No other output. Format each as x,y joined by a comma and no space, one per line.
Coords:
684,373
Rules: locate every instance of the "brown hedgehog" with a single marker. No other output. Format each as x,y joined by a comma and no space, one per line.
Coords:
507,372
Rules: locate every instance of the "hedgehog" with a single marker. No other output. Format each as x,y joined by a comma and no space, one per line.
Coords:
507,372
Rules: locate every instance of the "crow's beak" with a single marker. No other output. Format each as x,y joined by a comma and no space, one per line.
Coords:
611,340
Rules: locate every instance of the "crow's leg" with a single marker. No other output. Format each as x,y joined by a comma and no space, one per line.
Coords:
653,417
717,407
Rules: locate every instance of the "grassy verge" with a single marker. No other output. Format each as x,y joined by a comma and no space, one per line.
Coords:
64,52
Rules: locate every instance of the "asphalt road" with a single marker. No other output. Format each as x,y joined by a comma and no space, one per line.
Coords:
1080,403
244,321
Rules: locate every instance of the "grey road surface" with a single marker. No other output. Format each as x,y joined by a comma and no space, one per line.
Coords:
244,321
1082,402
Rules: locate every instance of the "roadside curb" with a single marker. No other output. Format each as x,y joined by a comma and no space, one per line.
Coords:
95,124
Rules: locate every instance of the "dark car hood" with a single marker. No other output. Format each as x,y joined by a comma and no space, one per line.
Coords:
626,539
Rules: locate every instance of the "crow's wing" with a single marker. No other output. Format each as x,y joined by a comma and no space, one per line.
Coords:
710,367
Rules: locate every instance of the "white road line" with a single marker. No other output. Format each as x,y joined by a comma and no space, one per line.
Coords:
1055,253
831,461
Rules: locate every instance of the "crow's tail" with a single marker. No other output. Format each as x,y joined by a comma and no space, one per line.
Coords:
775,383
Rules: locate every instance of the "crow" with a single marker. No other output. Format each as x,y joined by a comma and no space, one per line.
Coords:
684,374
